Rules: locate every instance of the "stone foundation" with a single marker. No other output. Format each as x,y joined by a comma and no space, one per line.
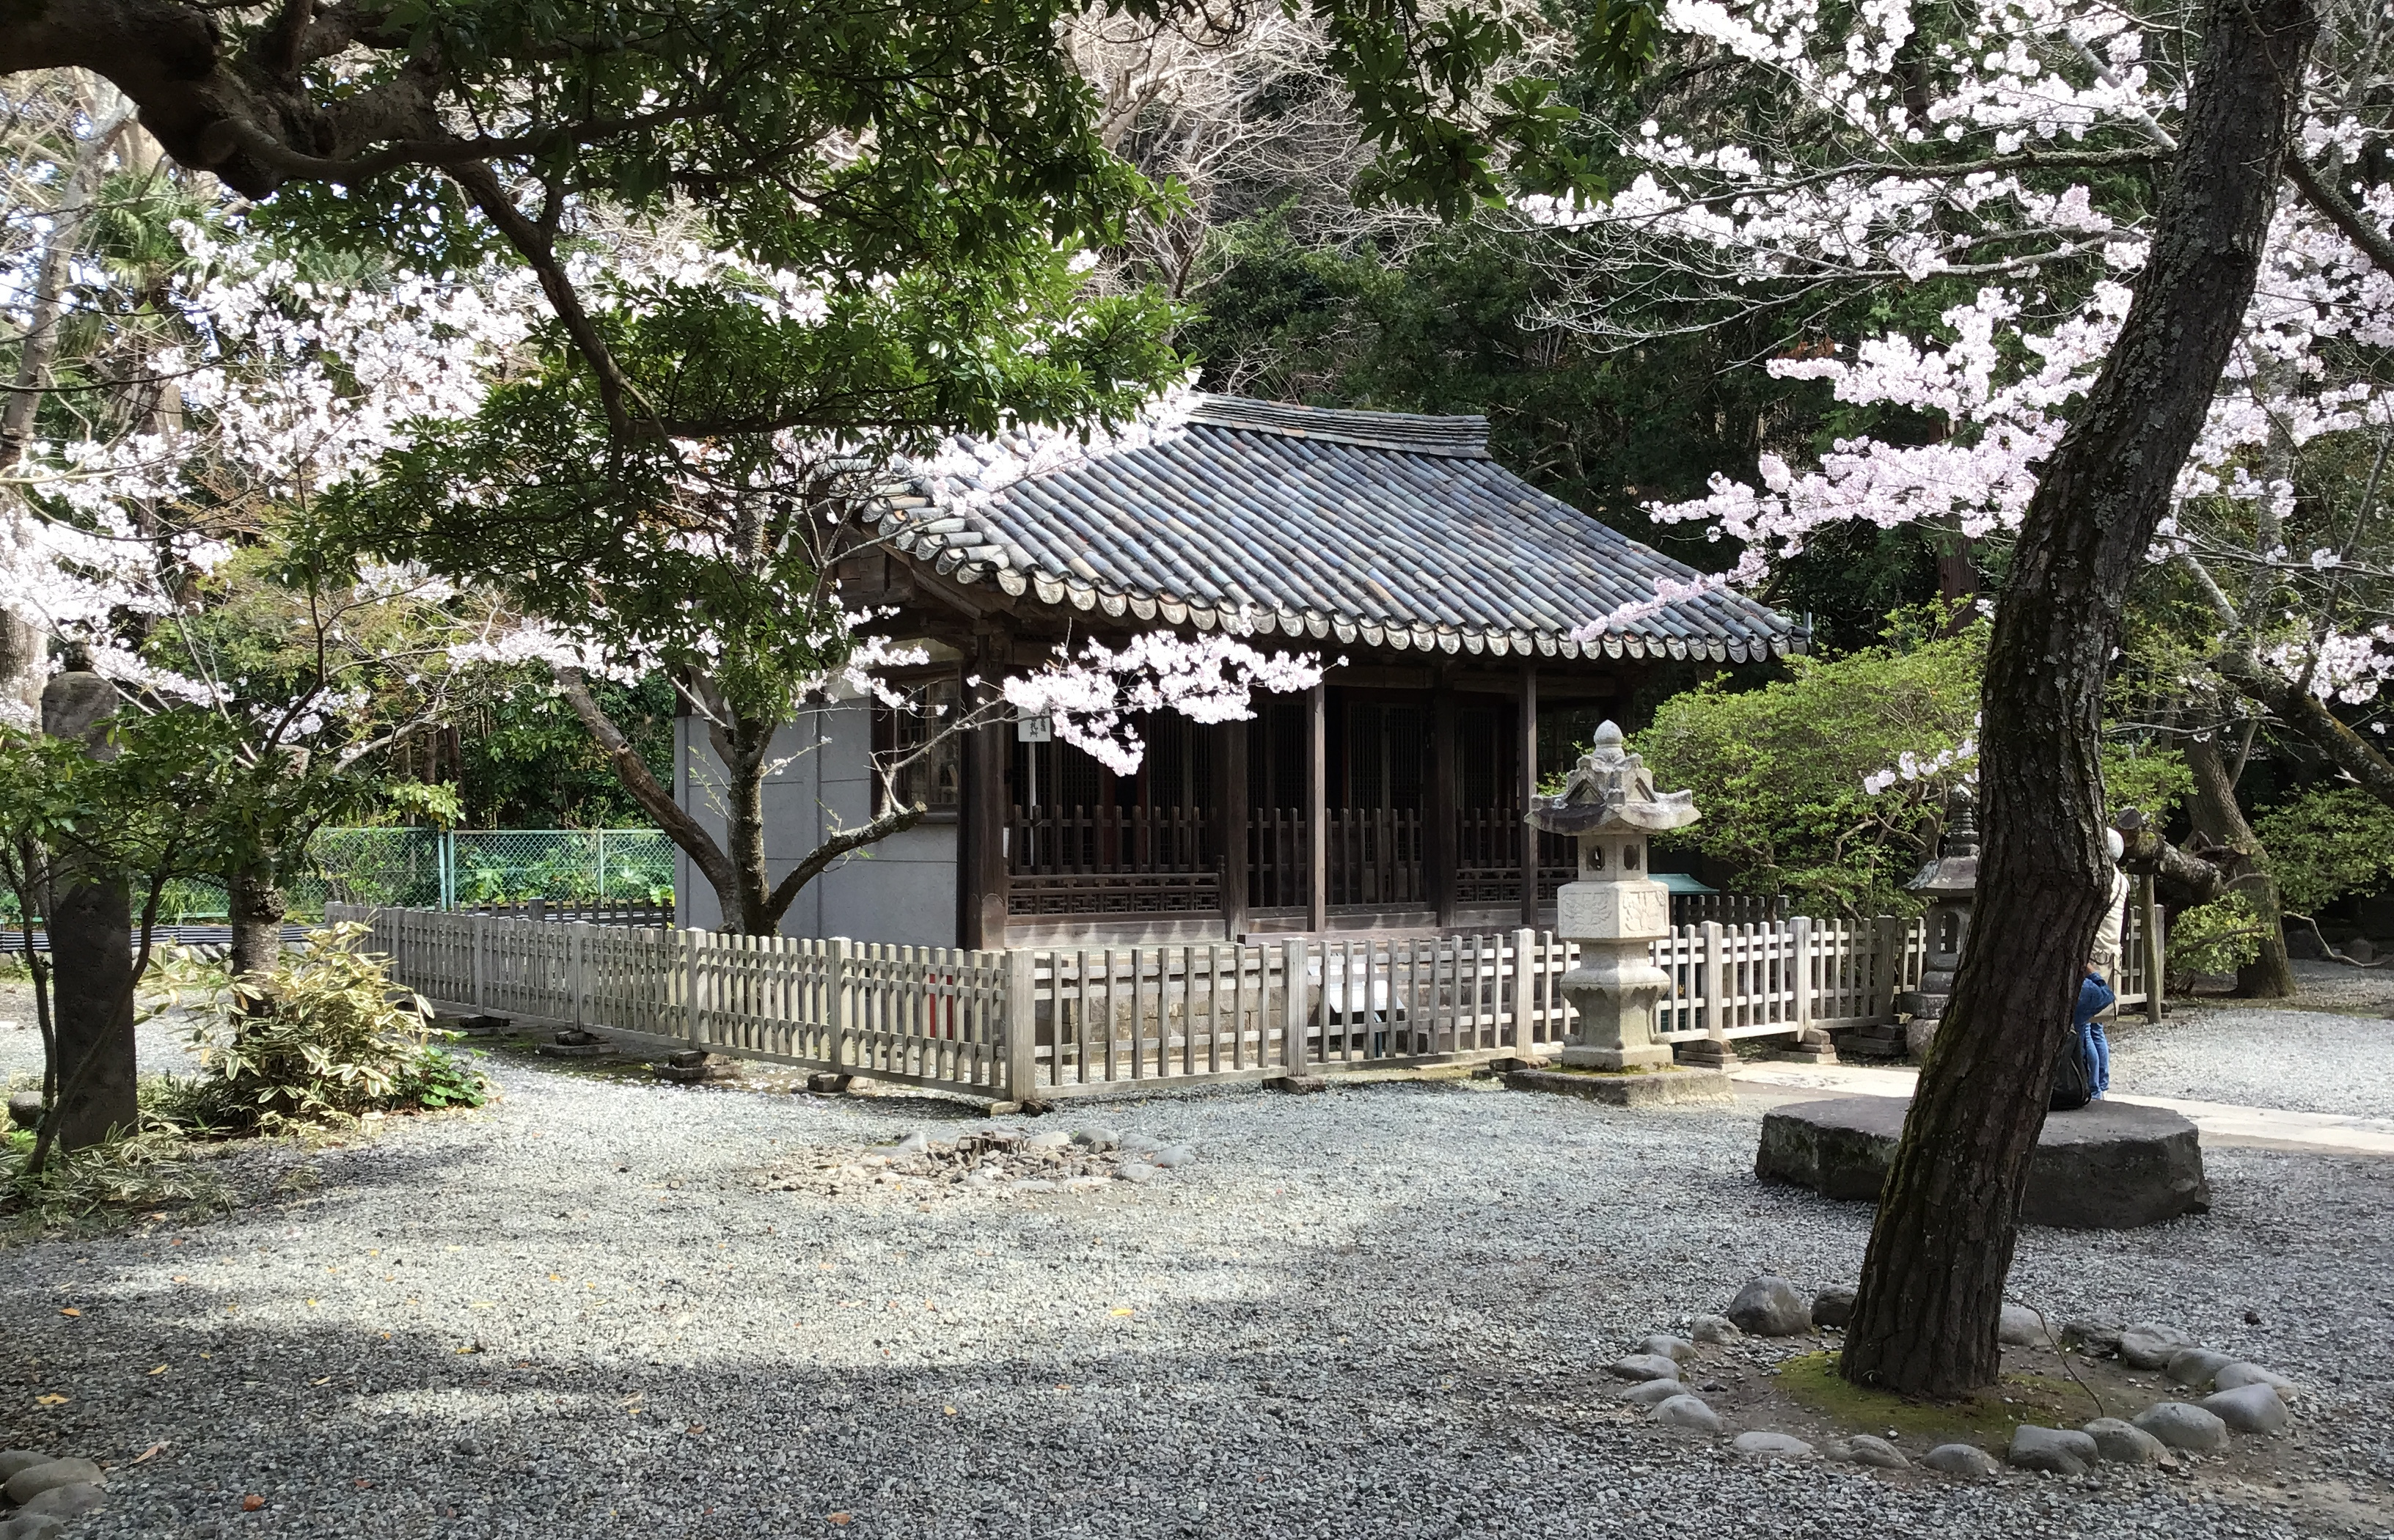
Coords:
1629,1088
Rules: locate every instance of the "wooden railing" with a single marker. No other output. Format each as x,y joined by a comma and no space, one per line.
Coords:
1087,861
1046,1021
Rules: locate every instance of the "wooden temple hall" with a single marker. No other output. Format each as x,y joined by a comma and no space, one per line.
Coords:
1441,588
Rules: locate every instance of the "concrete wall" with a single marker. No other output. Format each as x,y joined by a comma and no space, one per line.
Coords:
903,889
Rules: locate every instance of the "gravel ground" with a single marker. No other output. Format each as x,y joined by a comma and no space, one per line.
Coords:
2335,1055
1376,1313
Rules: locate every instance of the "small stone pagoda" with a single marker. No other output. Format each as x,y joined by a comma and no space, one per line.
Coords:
1950,884
1615,910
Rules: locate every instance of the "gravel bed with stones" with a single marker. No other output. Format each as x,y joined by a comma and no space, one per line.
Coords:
1382,1312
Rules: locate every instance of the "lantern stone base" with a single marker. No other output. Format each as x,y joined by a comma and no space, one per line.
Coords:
1627,1087
1585,1056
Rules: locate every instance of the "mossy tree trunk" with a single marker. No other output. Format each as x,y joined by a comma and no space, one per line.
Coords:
2217,817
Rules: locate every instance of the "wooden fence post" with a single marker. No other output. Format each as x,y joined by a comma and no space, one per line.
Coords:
1713,968
1021,1025
1294,1015
579,964
1525,985
479,929
1799,958
693,1028
2150,913
841,1016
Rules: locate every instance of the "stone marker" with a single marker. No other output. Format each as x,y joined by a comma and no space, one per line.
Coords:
2022,1328
2249,1409
2233,1375
1833,1308
1651,1393
1876,1453
1676,1349
1771,1447
1643,1366
2118,1442
2183,1426
2062,1451
1771,1307
1688,1412
1961,1459
1714,1329
2195,1366
2109,1165
33,1479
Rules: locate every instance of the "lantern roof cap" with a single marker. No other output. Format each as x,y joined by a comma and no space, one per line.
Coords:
1610,788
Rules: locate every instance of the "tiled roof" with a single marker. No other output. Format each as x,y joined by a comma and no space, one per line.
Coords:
1392,529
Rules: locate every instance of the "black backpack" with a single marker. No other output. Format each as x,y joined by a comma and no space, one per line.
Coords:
2073,1077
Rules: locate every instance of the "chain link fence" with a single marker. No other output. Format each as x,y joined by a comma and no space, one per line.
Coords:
414,868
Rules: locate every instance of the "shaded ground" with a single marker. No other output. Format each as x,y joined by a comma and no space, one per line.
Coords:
1382,1312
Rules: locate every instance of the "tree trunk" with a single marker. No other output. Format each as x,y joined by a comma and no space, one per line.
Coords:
2217,817
91,955
744,751
258,906
1942,1245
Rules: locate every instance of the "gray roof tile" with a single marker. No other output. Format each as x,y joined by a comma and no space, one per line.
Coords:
1258,513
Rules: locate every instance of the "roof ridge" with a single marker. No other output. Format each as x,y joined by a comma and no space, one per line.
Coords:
1412,433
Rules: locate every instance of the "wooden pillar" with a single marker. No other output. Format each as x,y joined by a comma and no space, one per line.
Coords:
1316,809
1442,812
1230,821
1529,794
982,809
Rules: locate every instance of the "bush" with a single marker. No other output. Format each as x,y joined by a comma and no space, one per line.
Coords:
2216,938
2327,844
325,1039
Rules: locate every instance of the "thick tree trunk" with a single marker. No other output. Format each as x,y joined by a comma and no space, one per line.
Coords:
2217,817
258,907
743,750
91,955
1942,1245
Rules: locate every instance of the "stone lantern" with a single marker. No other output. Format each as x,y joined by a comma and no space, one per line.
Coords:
1615,910
1950,883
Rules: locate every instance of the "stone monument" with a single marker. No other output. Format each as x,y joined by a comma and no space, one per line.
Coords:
1615,910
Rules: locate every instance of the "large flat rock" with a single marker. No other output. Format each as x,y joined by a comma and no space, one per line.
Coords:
2109,1165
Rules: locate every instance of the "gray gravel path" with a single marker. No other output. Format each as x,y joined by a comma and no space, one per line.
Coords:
1378,1312
2335,1055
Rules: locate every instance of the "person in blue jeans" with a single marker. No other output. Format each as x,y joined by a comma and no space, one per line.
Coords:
2095,998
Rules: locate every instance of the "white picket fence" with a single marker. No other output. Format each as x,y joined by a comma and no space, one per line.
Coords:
1095,1017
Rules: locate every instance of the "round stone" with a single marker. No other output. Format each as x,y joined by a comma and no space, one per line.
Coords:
35,1478
2061,1451
1833,1308
2182,1425
63,1502
1771,1447
1098,1139
1714,1329
2109,1165
2195,1366
15,1460
1643,1366
1771,1307
1876,1453
2249,1409
2239,1374
2022,1328
1679,1350
1651,1393
1961,1459
2118,1442
2148,1344
1688,1412
1173,1156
